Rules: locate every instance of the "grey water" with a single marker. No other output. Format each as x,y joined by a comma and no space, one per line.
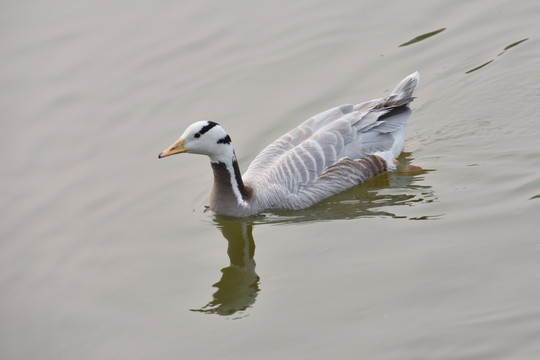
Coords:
107,252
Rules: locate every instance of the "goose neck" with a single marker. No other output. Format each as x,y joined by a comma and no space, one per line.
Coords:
228,184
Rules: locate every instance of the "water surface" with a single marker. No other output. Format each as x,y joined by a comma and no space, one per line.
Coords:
108,252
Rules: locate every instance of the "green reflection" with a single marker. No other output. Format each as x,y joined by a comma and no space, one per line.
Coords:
479,67
383,195
422,37
512,45
239,283
504,50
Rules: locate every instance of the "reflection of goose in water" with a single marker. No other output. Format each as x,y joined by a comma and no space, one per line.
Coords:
239,284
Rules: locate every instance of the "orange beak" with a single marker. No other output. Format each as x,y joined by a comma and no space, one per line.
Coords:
176,148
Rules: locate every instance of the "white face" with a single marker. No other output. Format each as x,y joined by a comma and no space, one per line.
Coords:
208,138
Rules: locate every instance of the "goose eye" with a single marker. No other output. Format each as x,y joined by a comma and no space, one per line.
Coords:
197,135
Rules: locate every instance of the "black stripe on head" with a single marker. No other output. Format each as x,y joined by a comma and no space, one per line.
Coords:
224,140
206,128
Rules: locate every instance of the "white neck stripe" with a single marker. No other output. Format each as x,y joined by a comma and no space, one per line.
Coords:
234,184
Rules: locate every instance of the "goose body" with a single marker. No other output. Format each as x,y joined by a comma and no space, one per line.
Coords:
325,155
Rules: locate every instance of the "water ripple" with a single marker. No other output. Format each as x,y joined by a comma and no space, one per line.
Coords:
422,37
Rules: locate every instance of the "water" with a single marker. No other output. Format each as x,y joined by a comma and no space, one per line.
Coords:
108,252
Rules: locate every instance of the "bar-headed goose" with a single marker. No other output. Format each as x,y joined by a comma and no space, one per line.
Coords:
324,155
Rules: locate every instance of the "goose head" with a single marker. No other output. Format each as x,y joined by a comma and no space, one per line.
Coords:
205,138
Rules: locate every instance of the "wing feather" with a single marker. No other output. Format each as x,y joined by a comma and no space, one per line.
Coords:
342,175
332,151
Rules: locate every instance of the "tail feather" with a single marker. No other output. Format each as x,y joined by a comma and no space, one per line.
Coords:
403,92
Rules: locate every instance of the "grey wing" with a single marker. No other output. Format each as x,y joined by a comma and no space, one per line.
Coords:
274,152
327,153
298,158
299,166
363,117
338,177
